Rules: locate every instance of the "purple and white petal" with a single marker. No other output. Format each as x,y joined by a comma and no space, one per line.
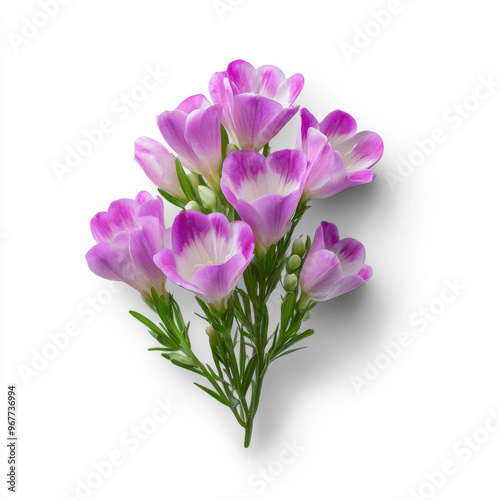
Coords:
208,255
129,234
338,126
361,151
332,266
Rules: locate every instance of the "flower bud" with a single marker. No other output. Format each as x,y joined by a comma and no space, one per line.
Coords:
293,263
194,179
307,315
298,247
192,205
207,197
211,332
290,282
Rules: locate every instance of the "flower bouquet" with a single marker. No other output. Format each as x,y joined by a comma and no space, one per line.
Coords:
231,244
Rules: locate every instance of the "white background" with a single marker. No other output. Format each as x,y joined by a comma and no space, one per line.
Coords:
437,223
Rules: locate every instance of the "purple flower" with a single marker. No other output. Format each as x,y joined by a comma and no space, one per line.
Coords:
128,235
332,266
265,191
256,103
159,165
349,163
208,255
192,130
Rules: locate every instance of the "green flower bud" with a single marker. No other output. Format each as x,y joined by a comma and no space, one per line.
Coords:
298,247
293,263
307,315
192,205
194,180
207,197
290,282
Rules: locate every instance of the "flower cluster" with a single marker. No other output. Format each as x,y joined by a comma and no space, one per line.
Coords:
231,244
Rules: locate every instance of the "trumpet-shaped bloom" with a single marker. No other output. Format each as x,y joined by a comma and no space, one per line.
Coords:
192,130
339,157
265,191
128,236
208,255
256,103
333,266
159,165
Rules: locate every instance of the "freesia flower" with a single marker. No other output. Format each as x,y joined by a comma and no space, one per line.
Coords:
159,165
332,173
265,191
256,103
128,235
208,255
333,266
192,130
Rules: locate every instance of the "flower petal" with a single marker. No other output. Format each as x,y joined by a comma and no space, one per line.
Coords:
172,125
295,85
166,261
198,101
361,151
326,237
121,216
242,76
327,173
158,164
351,254
217,281
307,121
111,260
252,114
320,274
144,244
204,136
338,126
275,125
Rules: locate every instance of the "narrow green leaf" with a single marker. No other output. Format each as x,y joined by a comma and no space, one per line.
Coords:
172,199
289,352
147,322
248,375
223,142
215,395
184,181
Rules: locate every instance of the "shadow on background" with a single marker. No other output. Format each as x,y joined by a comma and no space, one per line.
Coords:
345,326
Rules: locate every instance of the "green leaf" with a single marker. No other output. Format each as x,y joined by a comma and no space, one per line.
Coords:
224,141
172,199
289,352
147,322
287,308
297,338
184,181
215,395
179,360
248,375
